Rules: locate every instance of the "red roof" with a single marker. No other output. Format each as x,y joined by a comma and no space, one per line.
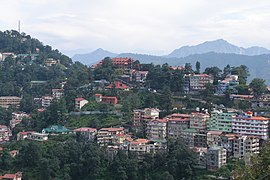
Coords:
111,129
118,85
79,99
84,129
215,132
9,176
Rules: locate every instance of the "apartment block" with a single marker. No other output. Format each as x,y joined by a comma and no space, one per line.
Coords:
245,146
107,136
220,121
194,83
6,101
86,134
248,124
216,157
57,93
214,138
198,120
228,84
156,129
176,124
5,134
79,103
142,116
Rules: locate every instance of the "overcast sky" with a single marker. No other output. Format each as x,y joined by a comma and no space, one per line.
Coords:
145,26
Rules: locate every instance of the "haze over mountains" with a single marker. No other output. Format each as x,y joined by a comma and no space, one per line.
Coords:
211,53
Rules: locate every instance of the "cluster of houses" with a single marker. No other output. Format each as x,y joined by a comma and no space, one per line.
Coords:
215,137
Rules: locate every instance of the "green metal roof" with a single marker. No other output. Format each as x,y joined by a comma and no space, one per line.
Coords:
56,129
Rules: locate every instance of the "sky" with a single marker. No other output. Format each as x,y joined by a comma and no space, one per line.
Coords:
142,26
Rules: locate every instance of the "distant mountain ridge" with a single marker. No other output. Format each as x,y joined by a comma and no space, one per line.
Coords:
217,46
93,57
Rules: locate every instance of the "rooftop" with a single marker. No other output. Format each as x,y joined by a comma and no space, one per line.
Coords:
85,129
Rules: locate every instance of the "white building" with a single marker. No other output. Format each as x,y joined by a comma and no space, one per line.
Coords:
46,101
156,129
245,145
80,102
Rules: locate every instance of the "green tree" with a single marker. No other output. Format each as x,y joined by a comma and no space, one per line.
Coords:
198,67
258,86
215,72
243,73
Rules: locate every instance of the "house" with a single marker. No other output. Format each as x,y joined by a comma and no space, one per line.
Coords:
6,101
86,133
17,176
228,84
247,124
107,136
4,55
79,103
106,99
198,120
220,121
32,135
37,136
156,129
55,130
194,83
176,124
57,93
216,157
5,134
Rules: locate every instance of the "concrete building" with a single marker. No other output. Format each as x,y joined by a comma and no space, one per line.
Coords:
156,129
79,103
6,101
228,84
107,136
187,136
245,145
248,124
142,116
214,138
86,134
140,76
106,99
198,120
176,124
220,121
216,157
46,101
201,157
194,83
5,134
57,93
200,139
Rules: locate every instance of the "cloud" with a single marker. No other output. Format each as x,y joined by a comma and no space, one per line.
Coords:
146,25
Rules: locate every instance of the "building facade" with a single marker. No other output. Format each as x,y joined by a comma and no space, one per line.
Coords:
220,121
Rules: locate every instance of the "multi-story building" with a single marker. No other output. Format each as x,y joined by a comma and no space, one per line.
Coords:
200,139
198,120
245,146
228,84
55,130
216,157
51,61
156,129
220,121
188,135
17,117
227,143
142,116
194,83
86,134
5,134
57,93
214,138
176,124
118,85
140,76
201,157
6,101
79,103
46,101
106,99
124,63
107,136
251,125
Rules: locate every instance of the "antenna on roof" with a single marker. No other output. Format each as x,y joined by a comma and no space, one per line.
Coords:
19,26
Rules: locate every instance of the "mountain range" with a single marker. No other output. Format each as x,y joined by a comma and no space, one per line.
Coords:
210,53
